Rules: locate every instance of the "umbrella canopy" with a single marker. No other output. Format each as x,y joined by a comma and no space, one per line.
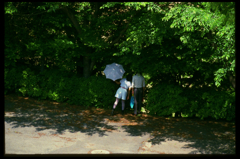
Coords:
114,71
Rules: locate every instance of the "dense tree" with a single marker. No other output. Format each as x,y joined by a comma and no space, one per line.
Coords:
216,23
191,45
94,27
81,29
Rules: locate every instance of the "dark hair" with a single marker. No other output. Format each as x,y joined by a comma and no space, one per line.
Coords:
129,78
137,71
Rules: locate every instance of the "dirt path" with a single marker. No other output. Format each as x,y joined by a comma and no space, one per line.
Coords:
34,127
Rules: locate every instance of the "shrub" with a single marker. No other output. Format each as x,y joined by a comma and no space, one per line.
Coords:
194,101
165,99
64,87
208,102
93,91
11,80
218,104
103,91
29,84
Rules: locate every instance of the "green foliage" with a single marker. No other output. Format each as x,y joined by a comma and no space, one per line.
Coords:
218,104
9,8
11,80
164,40
63,87
149,31
165,99
109,4
94,91
29,83
211,18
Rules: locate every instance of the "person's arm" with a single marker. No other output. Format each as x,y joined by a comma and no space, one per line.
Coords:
117,82
143,86
133,86
129,90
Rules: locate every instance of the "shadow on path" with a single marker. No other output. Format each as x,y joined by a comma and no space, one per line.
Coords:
208,137
25,112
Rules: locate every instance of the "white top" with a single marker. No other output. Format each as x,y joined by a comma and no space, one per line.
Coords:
138,81
124,83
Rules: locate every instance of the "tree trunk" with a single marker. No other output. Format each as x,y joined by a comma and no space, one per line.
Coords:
42,63
79,67
232,81
88,64
86,67
177,114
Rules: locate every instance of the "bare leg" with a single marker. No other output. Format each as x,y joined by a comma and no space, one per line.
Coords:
115,103
123,106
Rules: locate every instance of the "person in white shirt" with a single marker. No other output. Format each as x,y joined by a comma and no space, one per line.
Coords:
138,88
122,92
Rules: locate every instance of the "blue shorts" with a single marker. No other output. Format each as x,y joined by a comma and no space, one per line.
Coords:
121,93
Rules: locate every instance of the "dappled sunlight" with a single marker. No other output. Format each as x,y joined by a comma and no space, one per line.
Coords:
62,117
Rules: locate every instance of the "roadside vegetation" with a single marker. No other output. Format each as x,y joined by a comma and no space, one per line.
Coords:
186,51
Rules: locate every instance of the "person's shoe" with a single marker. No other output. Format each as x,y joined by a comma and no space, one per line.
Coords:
122,112
112,112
